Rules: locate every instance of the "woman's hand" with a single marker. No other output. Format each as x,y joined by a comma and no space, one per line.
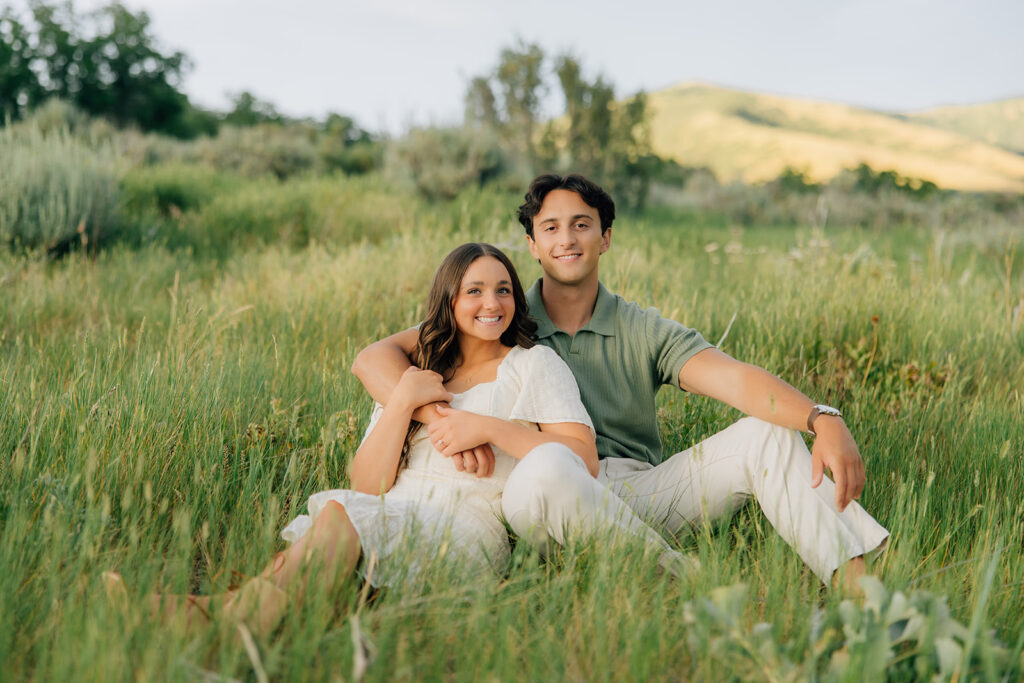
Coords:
419,387
455,431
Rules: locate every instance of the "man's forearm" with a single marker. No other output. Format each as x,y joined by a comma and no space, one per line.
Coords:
379,368
747,388
772,399
759,393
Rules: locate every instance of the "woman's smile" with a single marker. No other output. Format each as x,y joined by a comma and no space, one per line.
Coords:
484,305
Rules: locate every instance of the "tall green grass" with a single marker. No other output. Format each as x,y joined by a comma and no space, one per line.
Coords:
165,416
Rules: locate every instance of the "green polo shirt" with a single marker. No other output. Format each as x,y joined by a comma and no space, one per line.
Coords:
620,358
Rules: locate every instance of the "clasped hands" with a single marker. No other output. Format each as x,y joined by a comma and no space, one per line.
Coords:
455,433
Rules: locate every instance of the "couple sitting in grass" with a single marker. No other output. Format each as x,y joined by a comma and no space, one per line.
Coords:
479,422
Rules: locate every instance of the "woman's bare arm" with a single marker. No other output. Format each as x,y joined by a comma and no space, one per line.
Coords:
375,465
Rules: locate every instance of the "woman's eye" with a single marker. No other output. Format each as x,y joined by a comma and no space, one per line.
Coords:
472,290
504,290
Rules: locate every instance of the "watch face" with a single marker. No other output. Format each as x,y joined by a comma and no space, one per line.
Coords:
829,410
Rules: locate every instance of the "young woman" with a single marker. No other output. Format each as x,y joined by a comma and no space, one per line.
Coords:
409,509
474,352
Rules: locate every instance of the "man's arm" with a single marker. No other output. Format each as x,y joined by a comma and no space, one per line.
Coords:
761,394
381,364
380,367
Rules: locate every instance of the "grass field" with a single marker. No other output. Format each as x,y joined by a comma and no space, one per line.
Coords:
165,414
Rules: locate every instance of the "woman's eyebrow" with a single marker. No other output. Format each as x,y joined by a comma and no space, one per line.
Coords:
481,282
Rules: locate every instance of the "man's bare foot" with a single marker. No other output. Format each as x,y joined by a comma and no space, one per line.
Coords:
846,579
679,566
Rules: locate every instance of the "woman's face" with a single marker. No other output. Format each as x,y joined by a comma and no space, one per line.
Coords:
484,304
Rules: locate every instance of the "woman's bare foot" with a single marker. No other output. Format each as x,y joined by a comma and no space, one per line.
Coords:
117,594
847,577
259,603
162,607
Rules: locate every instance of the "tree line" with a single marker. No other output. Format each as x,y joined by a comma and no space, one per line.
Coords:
107,63
507,132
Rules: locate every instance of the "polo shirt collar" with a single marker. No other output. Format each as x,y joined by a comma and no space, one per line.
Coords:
601,322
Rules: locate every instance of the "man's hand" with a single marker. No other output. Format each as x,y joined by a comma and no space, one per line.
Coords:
835,448
461,433
479,460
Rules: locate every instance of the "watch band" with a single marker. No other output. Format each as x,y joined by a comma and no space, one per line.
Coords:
820,409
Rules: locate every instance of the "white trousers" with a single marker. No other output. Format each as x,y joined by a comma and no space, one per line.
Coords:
547,495
551,497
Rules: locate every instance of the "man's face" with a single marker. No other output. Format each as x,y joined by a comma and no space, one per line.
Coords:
567,238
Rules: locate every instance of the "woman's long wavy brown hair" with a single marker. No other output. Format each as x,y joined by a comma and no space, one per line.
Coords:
438,346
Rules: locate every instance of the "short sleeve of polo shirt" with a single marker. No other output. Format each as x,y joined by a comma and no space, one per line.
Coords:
671,345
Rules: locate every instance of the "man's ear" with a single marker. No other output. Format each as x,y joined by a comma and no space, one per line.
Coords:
533,247
606,240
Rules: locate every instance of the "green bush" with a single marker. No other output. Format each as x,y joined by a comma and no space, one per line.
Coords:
171,188
55,189
265,149
442,162
331,210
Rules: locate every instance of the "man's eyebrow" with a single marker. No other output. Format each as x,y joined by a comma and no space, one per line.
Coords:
578,216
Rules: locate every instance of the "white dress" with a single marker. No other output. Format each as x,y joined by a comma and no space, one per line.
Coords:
436,518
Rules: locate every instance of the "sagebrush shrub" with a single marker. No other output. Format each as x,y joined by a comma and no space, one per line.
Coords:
55,188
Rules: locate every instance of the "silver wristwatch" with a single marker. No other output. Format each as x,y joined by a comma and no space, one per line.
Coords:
817,410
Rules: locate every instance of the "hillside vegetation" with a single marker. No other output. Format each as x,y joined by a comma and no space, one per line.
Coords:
997,123
753,137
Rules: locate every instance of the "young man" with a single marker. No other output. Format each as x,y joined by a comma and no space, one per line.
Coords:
621,355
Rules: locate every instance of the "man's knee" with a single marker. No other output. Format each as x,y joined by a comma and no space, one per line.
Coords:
549,475
769,444
760,431
547,465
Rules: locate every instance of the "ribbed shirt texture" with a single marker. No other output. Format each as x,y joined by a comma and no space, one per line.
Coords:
620,359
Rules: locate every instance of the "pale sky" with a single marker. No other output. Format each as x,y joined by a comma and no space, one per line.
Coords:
393,63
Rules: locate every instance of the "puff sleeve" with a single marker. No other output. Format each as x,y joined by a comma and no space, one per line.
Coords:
547,390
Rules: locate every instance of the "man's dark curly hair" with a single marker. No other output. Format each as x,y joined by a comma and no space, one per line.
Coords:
589,191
